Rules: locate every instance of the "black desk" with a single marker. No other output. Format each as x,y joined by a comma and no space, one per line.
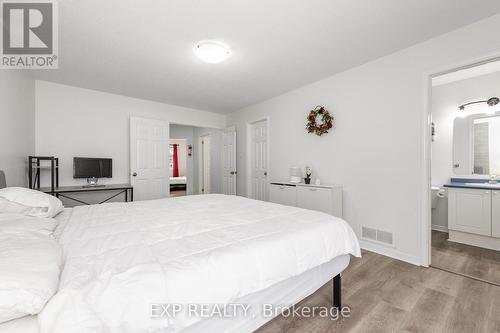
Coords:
62,191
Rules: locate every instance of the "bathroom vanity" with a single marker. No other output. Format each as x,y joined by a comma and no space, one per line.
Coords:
474,192
474,213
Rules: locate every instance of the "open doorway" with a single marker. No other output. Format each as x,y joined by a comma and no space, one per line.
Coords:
198,153
465,165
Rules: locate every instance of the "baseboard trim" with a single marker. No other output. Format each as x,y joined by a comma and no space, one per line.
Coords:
486,242
439,228
390,252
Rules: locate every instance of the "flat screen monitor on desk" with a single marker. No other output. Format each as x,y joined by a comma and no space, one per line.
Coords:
92,168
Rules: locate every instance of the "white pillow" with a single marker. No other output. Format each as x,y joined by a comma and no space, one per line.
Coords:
30,265
10,207
36,203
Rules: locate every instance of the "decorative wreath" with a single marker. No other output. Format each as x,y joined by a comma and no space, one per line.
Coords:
326,121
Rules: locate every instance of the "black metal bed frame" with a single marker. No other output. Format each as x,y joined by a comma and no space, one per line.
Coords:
337,291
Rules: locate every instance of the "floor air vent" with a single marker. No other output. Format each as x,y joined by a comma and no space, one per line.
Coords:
379,236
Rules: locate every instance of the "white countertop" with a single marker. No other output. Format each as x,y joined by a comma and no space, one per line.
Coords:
288,183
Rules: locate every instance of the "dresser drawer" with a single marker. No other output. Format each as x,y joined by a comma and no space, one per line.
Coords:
283,194
315,198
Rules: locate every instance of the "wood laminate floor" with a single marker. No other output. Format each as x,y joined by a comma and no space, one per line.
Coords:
387,295
473,261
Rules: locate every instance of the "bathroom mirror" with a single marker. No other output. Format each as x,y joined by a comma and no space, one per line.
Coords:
476,145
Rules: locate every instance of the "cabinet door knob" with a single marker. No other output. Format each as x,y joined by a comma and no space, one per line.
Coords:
134,174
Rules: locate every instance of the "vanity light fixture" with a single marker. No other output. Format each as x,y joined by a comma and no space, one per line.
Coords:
212,51
491,102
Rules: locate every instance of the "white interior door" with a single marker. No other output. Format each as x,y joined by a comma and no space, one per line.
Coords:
258,164
229,161
149,158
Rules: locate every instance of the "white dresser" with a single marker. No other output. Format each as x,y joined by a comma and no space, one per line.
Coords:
323,198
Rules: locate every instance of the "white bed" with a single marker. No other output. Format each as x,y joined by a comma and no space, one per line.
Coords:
286,293
178,180
121,258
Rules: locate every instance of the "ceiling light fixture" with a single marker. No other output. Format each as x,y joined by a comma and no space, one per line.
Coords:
211,51
491,102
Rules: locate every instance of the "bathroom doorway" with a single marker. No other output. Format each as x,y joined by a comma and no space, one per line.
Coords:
465,170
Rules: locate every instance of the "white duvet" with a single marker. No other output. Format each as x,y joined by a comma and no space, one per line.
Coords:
122,257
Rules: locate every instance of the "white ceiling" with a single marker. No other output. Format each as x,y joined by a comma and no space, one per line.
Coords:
143,48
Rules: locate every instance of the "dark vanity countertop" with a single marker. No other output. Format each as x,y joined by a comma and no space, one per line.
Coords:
472,183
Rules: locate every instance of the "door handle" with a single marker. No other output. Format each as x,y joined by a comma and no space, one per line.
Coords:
265,173
232,172
134,174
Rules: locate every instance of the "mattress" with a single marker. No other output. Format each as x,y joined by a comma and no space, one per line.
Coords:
213,249
178,180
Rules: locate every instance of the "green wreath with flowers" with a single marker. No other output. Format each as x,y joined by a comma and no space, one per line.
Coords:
319,127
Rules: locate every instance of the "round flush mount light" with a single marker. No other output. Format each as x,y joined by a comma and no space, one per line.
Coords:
211,51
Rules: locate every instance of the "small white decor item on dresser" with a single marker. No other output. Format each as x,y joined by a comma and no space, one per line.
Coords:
323,198
295,175
318,181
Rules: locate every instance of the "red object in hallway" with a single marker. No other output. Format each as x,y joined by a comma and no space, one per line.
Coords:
176,164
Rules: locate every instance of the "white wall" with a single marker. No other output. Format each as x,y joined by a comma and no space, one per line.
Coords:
376,145
17,124
72,121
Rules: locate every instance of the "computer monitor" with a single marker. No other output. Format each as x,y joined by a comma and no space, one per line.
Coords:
92,168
